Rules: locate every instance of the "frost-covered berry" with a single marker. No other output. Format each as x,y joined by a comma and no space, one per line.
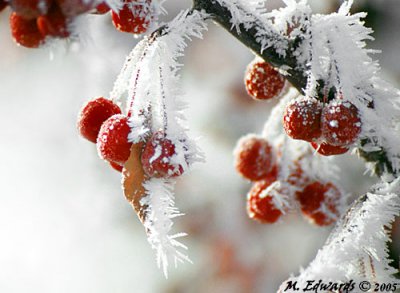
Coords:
319,202
254,157
30,9
116,166
158,157
260,205
112,141
326,149
92,116
3,4
133,17
302,119
25,31
54,23
72,8
262,81
102,8
297,177
341,123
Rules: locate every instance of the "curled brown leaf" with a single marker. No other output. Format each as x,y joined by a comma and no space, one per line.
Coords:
133,178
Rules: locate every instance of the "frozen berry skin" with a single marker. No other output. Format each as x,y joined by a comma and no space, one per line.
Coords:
30,9
25,32
133,17
112,141
297,177
262,81
92,116
326,149
302,119
3,5
116,167
71,8
102,8
254,157
319,202
261,206
157,157
341,123
54,23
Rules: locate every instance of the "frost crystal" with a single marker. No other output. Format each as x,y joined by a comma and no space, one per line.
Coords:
357,250
252,14
159,209
149,82
335,52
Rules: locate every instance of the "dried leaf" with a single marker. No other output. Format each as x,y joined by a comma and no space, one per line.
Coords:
133,178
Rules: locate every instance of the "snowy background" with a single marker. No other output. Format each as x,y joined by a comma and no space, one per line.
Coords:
65,225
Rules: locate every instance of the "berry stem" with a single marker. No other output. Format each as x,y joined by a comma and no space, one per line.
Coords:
163,102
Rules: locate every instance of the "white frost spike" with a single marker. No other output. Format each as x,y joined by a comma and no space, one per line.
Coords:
150,82
122,83
292,17
250,14
160,210
357,248
155,87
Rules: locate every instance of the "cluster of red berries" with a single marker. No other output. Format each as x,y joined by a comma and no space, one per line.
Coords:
330,128
255,159
32,21
100,121
263,82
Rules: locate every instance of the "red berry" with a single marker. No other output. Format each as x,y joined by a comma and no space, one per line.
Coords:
53,24
302,119
326,149
75,7
262,81
319,202
253,157
260,206
133,17
92,116
112,141
297,177
3,4
341,123
116,167
30,9
25,32
158,157
102,8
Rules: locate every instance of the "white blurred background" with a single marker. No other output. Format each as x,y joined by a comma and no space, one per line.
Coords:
64,223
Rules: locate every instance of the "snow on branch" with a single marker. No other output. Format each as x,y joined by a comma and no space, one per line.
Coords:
356,250
252,14
335,51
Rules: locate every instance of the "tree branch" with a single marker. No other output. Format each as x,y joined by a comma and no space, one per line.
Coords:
247,36
298,78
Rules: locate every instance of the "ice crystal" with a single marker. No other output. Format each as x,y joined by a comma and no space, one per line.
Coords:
149,82
160,209
357,249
